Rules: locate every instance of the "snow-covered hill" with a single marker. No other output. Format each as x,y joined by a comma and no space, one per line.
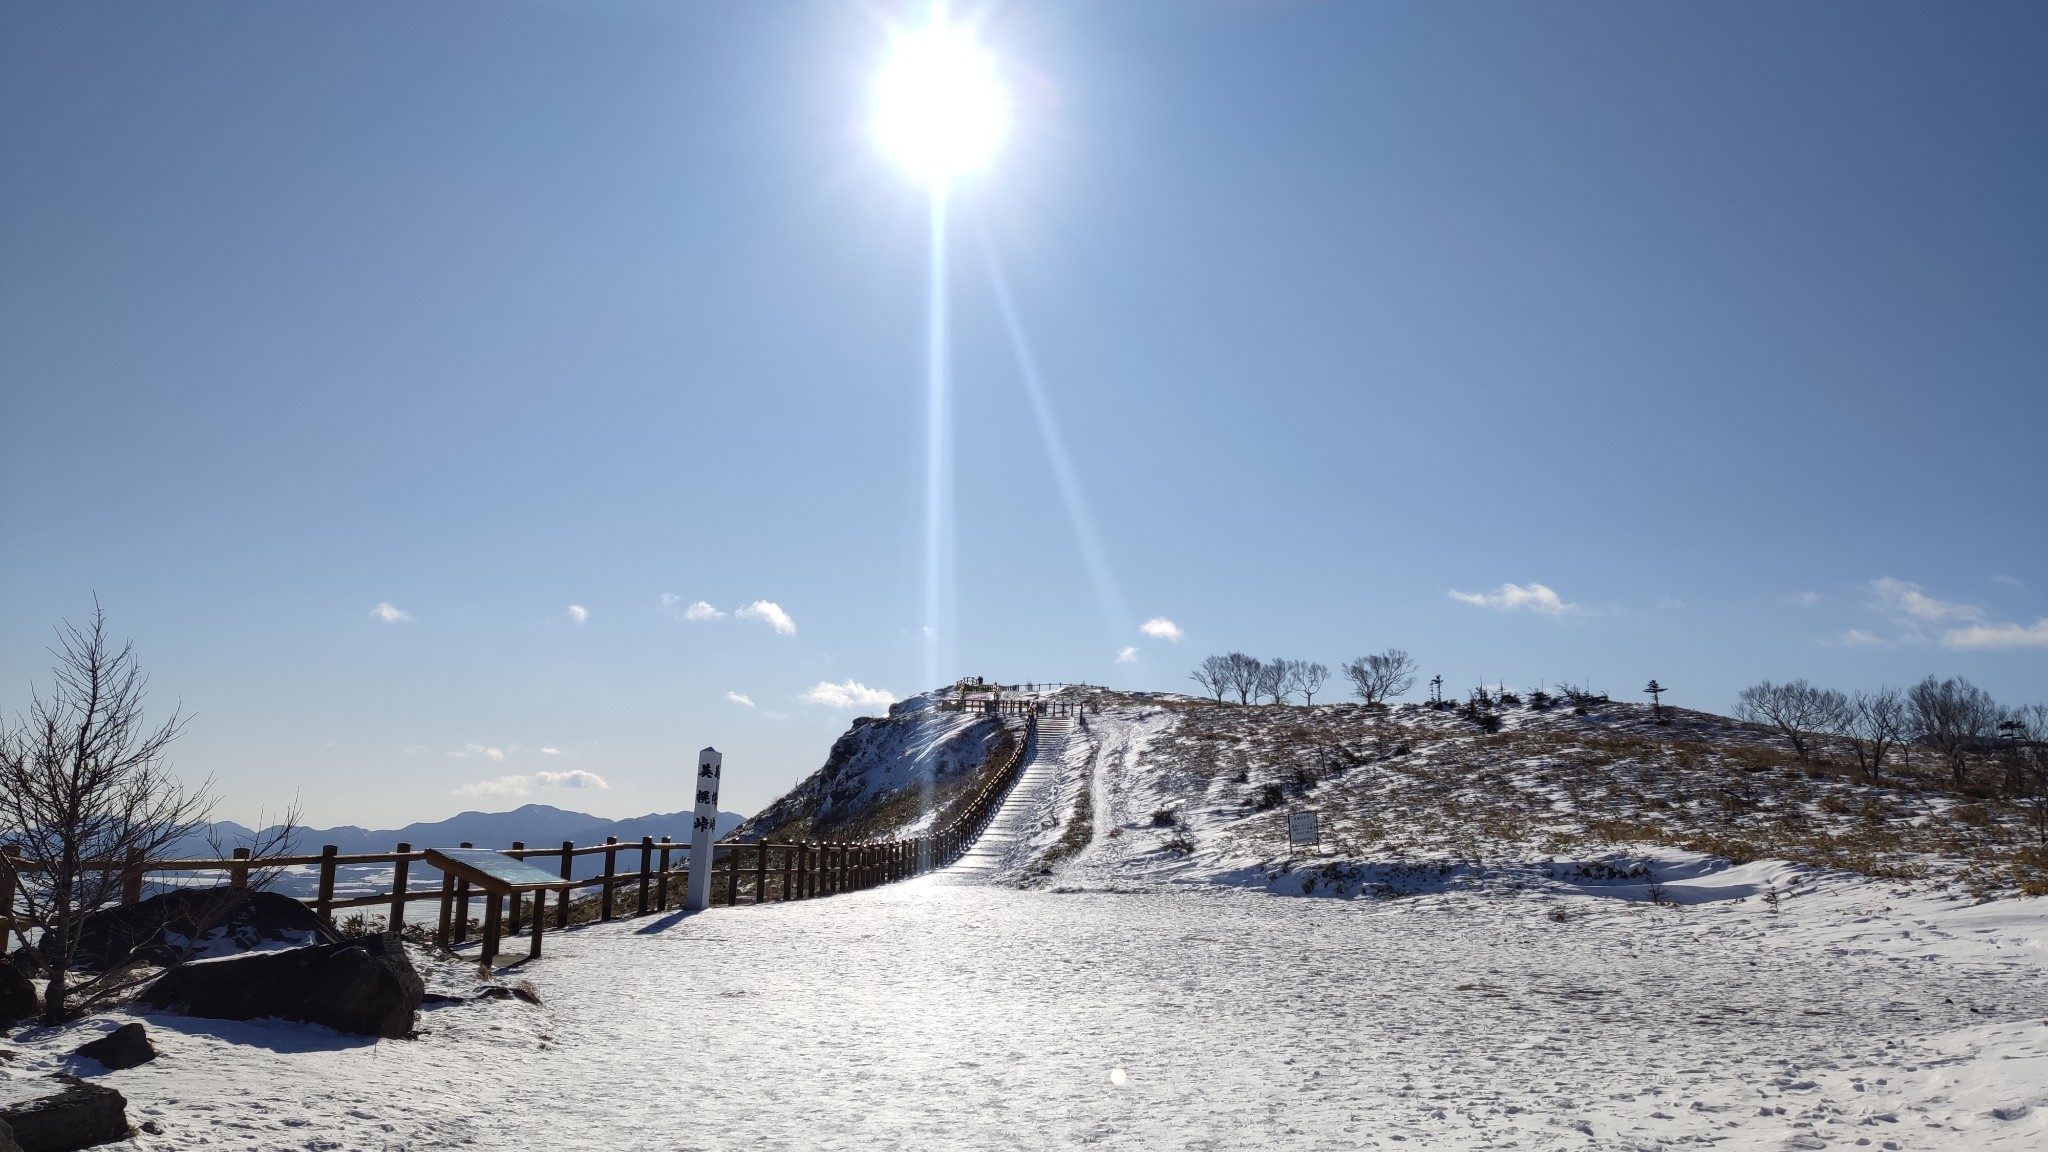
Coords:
889,776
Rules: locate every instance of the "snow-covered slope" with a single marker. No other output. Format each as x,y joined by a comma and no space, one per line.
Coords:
888,776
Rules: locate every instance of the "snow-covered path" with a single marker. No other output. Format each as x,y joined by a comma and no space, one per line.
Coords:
1006,844
931,1014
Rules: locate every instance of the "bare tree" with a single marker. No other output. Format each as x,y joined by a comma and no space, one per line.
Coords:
1244,675
1954,717
1213,674
1309,676
1276,679
2032,749
1798,710
1375,679
1874,724
84,789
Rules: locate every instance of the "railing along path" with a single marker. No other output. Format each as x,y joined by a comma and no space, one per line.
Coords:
773,872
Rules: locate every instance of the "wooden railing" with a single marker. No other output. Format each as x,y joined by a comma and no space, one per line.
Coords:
764,871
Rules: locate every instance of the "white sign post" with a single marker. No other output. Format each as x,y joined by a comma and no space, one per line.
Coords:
1301,830
703,830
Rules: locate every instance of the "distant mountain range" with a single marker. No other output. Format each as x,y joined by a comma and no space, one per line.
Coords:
537,825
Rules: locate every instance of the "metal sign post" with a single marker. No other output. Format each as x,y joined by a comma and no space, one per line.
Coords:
1301,830
703,830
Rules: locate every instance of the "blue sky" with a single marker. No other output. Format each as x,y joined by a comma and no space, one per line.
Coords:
1563,342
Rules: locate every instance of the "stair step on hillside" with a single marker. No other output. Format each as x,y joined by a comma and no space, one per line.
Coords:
1012,823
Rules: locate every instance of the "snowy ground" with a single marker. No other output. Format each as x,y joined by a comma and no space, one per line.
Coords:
1137,998
932,1014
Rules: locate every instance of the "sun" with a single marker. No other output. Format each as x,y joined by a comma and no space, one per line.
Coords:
938,107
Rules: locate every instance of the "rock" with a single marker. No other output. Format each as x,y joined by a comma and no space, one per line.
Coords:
18,1000
7,1143
365,986
79,1115
124,1047
187,922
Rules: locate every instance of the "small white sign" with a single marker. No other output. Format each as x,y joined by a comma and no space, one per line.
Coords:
1301,829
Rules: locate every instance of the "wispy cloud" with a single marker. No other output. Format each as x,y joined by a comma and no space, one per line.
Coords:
852,694
695,613
551,751
1160,628
468,750
1508,597
1969,627
1903,601
739,698
390,613
770,613
2008,581
579,613
1127,656
1857,638
1803,599
513,787
1999,635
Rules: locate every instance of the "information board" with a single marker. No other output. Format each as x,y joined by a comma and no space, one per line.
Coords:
1301,829
492,869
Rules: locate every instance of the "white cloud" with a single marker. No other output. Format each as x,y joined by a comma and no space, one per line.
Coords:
1160,628
469,750
1508,597
772,715
514,787
414,749
739,698
1998,635
551,751
389,614
1803,599
852,694
578,613
1857,638
2008,581
1904,602
1127,656
695,613
504,787
770,613
1671,604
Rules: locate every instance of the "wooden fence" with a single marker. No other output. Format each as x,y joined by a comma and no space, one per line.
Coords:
763,871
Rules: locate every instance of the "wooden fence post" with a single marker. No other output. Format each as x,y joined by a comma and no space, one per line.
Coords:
462,905
131,878
325,907
761,872
803,859
611,870
444,937
398,873
512,899
646,866
732,875
568,873
661,890
238,873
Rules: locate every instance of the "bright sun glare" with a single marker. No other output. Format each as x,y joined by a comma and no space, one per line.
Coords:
938,108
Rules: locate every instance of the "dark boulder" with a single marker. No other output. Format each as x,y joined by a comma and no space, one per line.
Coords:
79,1115
193,922
365,986
124,1047
7,1143
18,1000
